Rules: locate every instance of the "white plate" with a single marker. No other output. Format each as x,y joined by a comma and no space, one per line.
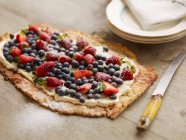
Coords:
123,23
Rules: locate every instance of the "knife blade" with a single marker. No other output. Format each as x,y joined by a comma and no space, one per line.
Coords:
156,100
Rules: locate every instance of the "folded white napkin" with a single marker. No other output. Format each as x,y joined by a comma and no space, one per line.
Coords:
153,13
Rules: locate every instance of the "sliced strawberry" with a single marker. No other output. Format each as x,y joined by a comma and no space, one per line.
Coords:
78,56
99,76
108,89
66,43
44,68
21,38
64,58
15,52
23,45
52,56
90,50
41,45
34,28
53,82
82,44
89,59
127,74
44,36
114,59
25,59
84,88
82,73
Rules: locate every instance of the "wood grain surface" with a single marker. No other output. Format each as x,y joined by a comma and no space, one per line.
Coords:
23,119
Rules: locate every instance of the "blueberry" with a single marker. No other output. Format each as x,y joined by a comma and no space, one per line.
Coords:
95,64
94,85
33,46
91,80
41,53
29,50
82,99
28,68
103,58
71,53
91,91
57,71
5,49
77,95
71,74
110,66
113,97
94,70
83,63
11,36
97,96
78,81
67,83
111,71
66,52
6,54
85,81
72,79
71,49
97,90
61,91
33,54
21,66
62,49
100,68
90,67
73,86
90,96
105,48
119,81
75,64
6,45
81,67
72,92
114,84
53,42
100,62
66,70
117,73
98,56
9,58
51,74
84,78
60,76
54,37
116,67
11,43
66,64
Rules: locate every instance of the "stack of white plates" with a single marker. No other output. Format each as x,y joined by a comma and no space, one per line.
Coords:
123,23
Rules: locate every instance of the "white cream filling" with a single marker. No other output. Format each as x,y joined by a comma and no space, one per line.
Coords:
123,89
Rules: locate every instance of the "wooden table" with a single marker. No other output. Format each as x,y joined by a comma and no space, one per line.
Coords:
23,119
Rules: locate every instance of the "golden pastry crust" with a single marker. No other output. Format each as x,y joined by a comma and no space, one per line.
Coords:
143,80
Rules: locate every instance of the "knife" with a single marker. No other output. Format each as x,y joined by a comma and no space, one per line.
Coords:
156,100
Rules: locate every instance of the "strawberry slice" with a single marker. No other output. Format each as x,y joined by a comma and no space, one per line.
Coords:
89,59
108,89
44,68
15,52
34,28
127,74
82,73
21,38
64,58
52,56
78,56
114,59
53,82
84,88
90,50
44,36
23,45
25,59
41,45
99,76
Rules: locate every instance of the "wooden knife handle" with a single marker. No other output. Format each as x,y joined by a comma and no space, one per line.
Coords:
150,112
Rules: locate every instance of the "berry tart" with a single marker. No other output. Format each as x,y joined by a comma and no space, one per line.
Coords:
72,72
